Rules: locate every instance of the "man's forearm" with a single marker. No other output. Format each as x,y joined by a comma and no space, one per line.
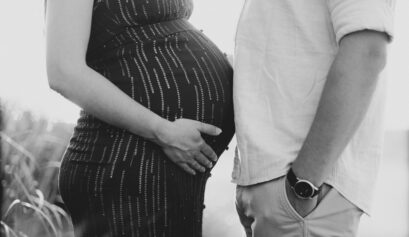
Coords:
346,97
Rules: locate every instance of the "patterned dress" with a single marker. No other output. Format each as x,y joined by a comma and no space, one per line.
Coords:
115,183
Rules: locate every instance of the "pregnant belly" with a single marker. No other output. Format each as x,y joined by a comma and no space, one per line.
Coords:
182,75
176,74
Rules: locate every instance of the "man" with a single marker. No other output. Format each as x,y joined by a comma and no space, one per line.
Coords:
308,95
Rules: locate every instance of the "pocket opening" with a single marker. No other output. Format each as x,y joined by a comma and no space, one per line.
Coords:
291,210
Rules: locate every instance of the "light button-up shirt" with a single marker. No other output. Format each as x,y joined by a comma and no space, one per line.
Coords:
284,50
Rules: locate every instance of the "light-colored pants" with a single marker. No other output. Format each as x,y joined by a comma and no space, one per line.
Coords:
265,211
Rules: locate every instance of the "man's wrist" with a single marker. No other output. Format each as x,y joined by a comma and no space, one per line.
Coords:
302,188
312,175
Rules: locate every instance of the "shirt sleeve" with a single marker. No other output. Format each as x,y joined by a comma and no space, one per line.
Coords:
349,16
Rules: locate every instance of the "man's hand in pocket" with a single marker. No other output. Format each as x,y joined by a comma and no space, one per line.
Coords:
305,207
302,206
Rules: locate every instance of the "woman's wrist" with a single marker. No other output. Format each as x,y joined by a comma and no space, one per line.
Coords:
150,127
157,128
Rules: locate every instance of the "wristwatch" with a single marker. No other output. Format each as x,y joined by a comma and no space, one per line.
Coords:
302,188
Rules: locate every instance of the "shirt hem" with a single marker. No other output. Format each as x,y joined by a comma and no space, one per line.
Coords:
262,179
366,210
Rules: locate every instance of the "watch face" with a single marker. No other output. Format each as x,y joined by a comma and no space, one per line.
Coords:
303,189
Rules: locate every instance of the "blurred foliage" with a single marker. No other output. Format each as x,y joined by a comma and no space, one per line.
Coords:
32,148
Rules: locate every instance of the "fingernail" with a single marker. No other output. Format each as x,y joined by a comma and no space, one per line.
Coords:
219,131
210,165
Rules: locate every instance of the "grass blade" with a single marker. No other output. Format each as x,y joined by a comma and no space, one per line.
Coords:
9,232
18,147
11,206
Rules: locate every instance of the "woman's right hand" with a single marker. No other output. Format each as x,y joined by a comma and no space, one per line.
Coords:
182,142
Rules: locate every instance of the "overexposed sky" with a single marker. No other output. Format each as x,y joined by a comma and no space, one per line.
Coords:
22,64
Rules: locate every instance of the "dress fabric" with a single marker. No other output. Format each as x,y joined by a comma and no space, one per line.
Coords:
115,183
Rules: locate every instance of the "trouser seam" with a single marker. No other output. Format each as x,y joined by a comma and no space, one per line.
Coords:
305,229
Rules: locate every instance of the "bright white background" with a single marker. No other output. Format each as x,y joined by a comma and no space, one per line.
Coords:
23,82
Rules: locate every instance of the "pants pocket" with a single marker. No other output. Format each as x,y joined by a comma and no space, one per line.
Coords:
328,192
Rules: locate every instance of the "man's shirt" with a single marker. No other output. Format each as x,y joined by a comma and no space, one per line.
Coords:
284,50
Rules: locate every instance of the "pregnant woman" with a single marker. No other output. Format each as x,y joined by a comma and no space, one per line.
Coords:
156,99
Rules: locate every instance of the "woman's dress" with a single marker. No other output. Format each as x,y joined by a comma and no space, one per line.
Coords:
115,183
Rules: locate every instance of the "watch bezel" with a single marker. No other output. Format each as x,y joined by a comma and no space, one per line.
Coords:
301,193
294,181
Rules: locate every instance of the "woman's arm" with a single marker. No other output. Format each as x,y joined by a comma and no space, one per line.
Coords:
67,34
68,29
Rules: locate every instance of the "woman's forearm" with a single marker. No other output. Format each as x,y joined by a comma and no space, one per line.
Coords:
99,97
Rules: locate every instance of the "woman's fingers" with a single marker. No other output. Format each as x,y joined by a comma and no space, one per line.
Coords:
208,151
195,165
209,129
187,168
203,160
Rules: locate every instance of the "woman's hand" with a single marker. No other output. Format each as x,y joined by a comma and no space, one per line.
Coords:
182,142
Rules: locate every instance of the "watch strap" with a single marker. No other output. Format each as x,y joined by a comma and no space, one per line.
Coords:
292,179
